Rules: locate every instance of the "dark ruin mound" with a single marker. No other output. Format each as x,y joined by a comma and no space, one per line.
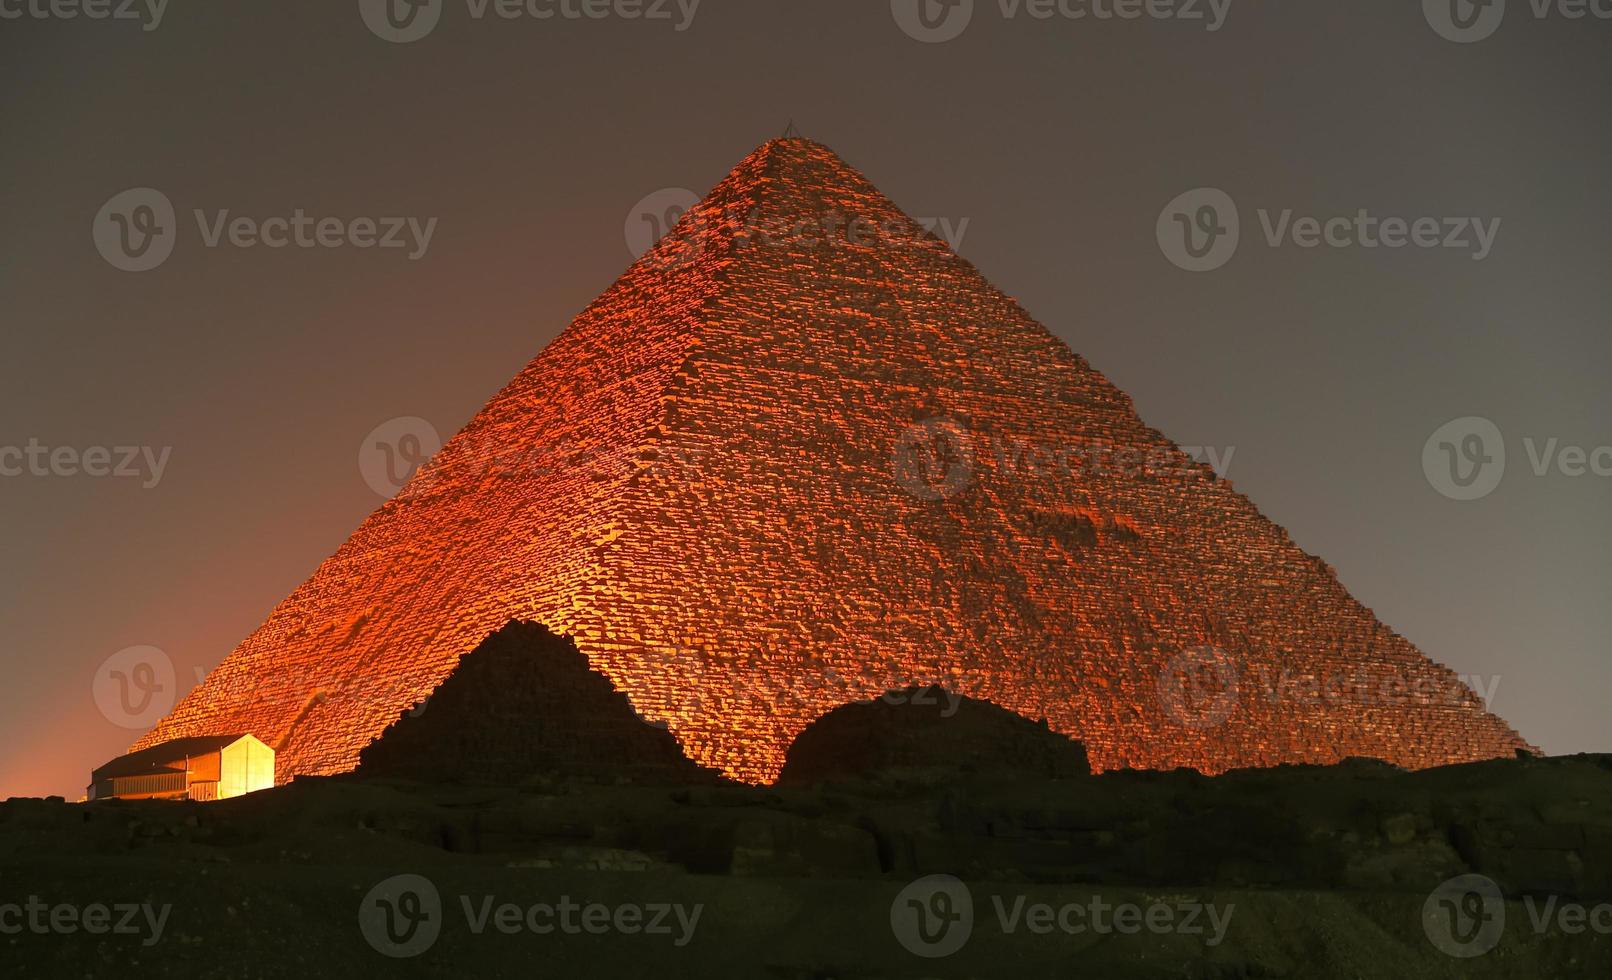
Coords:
928,730
525,704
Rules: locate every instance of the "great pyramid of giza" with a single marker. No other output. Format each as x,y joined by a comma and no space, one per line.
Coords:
801,454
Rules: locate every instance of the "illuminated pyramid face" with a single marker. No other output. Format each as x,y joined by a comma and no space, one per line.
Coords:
802,454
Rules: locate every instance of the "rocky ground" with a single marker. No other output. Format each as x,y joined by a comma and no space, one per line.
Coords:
526,822
1313,873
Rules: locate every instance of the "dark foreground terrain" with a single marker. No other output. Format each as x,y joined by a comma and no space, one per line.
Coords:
1301,872
526,822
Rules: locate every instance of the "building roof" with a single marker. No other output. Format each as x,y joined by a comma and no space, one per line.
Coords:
161,758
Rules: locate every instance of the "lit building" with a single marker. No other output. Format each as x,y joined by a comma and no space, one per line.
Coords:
207,767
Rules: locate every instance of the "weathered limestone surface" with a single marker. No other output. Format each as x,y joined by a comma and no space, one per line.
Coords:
712,480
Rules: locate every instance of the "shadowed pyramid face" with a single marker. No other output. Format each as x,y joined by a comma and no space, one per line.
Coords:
801,454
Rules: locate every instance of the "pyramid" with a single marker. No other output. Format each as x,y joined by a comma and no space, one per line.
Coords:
801,454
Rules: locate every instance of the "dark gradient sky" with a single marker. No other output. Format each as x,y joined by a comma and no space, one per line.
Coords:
1058,141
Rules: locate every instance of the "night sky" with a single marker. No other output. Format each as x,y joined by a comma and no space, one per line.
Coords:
248,378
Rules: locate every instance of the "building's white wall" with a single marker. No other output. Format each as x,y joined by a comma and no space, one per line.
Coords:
248,766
